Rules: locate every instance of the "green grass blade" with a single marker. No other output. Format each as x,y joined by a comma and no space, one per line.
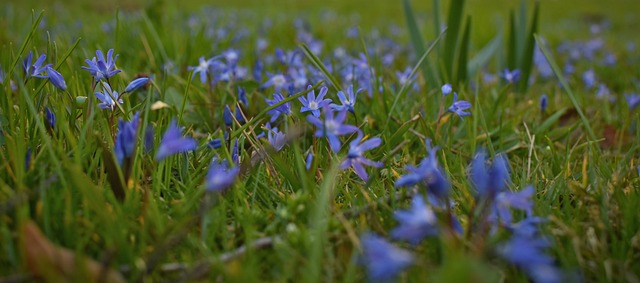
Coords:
463,53
526,60
454,23
34,27
485,54
318,63
558,72
418,43
511,47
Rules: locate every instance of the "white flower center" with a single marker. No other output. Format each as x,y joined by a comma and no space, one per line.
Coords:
313,105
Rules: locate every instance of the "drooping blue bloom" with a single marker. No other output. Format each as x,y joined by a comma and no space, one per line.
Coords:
309,160
220,176
239,116
136,84
632,100
51,117
428,173
489,180
504,201
284,109
106,97
332,127
37,68
510,76
446,89
416,223
242,96
56,79
227,117
458,107
355,159
101,68
348,101
276,138
313,103
126,138
383,260
173,142
203,68
544,102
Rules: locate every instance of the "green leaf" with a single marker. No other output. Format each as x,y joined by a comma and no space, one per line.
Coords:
451,40
463,53
418,43
485,54
526,60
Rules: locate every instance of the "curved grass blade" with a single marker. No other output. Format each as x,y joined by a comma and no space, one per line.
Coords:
318,63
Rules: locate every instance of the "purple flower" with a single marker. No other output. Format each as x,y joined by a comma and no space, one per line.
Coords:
544,102
227,117
106,97
428,173
520,200
347,101
203,68
242,96
136,84
239,115
220,176
126,138
278,81
313,103
528,254
489,180
37,68
416,223
309,160
510,76
458,107
632,100
355,158
51,117
173,142
276,138
102,68
446,89
56,79
284,109
383,260
589,78
332,127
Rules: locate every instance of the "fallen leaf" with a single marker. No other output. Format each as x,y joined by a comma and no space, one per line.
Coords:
52,263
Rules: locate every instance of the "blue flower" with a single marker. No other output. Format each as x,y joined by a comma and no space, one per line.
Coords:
220,176
51,117
347,101
383,260
242,96
428,173
355,158
520,200
528,253
56,79
589,78
284,109
203,68
227,117
173,142
102,68
416,223
106,97
458,107
279,82
126,138
489,180
632,100
446,89
136,84
239,115
309,160
544,102
37,68
313,103
332,127
511,76
215,143
276,138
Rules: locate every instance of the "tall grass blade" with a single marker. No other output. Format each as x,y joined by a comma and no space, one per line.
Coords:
451,40
418,43
526,60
